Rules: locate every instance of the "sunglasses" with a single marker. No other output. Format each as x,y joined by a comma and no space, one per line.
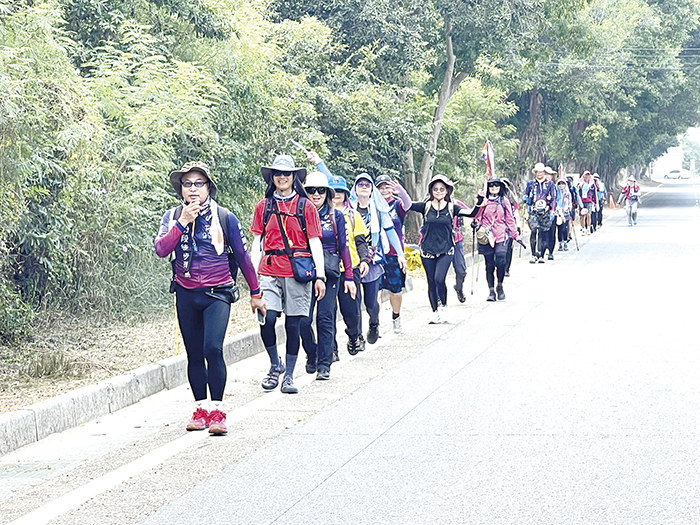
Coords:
198,184
282,173
312,190
364,184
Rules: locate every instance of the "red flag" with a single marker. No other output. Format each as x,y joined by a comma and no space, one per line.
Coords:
487,157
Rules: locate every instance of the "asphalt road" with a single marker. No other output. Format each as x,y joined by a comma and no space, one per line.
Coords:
575,401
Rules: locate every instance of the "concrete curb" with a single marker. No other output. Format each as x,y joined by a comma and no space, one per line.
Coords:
35,422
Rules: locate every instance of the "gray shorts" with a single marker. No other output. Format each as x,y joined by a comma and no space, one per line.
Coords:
284,294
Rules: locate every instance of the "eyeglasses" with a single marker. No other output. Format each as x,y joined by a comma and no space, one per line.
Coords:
312,190
440,188
364,184
282,174
198,184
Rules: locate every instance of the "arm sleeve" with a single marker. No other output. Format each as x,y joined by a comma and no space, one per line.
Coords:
362,247
239,243
418,206
343,244
405,198
324,169
256,252
394,241
510,220
316,249
167,238
473,212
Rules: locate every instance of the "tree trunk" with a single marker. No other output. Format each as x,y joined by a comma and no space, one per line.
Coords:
450,84
532,148
412,222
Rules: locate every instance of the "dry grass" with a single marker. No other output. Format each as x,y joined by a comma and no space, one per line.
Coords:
68,353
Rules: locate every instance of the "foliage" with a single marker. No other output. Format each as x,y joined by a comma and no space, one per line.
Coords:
102,98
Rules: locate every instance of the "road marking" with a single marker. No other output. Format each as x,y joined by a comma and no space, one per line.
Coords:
75,498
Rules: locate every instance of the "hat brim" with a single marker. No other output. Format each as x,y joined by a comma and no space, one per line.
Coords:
267,171
176,181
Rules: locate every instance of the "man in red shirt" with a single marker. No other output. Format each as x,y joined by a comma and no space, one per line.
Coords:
269,255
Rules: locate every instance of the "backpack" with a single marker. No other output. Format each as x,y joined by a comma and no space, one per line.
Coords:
223,221
299,214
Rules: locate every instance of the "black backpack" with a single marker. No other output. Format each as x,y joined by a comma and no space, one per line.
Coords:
223,221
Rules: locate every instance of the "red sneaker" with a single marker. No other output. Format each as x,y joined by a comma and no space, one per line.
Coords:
199,421
217,423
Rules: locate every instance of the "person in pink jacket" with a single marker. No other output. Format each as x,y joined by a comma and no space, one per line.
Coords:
497,219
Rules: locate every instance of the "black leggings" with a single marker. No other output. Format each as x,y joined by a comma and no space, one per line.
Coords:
495,260
291,327
436,273
203,321
563,232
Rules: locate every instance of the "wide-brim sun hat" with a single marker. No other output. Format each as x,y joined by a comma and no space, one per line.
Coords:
549,170
316,179
538,167
283,163
631,178
201,167
441,178
596,176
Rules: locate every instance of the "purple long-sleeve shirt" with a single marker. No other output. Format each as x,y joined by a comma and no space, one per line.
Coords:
332,239
208,268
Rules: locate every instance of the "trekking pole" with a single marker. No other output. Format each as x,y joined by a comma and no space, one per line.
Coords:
473,243
573,229
302,148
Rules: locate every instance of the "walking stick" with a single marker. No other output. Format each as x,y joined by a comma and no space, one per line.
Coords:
573,229
473,242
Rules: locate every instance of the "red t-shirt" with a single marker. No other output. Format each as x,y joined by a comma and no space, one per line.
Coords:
279,265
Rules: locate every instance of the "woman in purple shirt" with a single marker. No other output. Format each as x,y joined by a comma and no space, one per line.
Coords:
334,239
203,285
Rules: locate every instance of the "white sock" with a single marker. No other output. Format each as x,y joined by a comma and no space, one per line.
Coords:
200,404
217,405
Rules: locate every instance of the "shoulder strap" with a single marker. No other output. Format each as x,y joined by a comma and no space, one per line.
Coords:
301,217
176,215
232,262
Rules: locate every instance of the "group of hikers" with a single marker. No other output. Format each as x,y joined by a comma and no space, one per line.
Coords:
320,245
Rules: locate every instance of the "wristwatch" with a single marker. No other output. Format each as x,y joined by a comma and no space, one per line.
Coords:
321,278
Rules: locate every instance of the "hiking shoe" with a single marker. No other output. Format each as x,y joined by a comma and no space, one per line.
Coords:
336,357
310,367
492,295
501,293
566,246
323,374
272,379
460,294
561,246
507,274
550,257
540,260
435,318
288,386
353,346
217,423
373,333
360,343
199,421
397,325
534,259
